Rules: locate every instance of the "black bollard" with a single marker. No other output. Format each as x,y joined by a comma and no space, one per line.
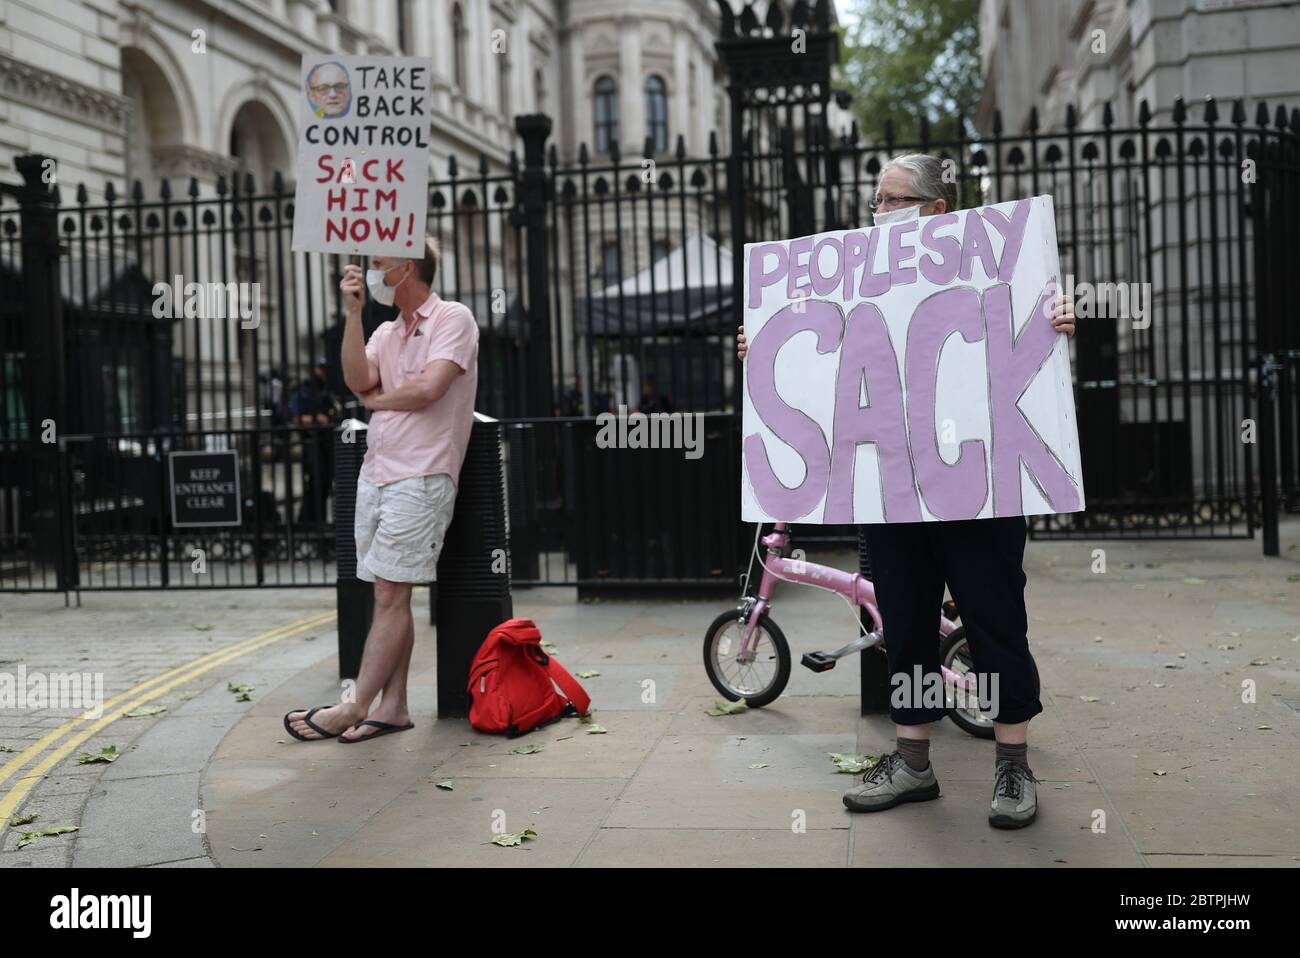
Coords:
355,597
473,594
875,670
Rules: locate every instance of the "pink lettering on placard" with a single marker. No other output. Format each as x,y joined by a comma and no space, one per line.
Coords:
942,271
868,354
1013,235
955,490
796,285
855,255
825,284
1014,361
759,276
975,244
790,425
901,274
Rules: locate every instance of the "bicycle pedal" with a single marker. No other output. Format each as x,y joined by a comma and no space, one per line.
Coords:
817,661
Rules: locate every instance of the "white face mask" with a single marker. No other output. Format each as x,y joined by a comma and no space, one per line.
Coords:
898,216
380,291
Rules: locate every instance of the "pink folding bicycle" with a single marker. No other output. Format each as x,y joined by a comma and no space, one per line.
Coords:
747,656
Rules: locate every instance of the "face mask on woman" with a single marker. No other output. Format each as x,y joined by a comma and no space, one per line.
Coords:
380,291
898,216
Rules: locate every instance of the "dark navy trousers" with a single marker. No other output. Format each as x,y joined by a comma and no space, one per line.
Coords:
981,560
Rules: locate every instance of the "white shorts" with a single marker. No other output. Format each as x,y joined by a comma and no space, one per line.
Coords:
400,527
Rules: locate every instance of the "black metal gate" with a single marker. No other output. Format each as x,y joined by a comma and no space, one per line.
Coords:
602,282
1187,413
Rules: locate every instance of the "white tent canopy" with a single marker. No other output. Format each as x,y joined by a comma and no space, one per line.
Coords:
690,286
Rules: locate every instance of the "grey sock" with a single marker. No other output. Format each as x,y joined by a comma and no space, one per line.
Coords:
1013,753
915,752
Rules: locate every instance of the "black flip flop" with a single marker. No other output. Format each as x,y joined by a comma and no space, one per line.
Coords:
384,729
310,724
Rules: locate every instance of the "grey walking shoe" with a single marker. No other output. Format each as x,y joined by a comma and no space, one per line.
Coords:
890,782
1015,796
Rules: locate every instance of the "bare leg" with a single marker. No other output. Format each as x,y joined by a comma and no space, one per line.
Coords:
392,707
388,646
1011,734
395,688
921,732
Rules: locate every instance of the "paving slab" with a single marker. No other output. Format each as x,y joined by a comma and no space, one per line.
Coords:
669,784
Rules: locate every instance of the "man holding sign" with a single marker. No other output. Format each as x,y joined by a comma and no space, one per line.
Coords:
363,164
912,378
418,375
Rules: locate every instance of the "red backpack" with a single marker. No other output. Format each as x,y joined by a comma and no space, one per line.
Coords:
510,682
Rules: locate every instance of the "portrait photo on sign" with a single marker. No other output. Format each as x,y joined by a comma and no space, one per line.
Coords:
329,90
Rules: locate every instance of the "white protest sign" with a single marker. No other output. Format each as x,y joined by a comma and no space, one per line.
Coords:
909,373
363,155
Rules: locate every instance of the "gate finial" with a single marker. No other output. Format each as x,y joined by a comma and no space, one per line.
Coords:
728,27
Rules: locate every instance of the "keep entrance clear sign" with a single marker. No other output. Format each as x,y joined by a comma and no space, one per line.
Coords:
205,488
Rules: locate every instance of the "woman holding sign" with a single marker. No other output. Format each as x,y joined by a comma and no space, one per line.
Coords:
980,561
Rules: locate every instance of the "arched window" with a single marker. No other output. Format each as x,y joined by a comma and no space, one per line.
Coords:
656,113
458,41
606,113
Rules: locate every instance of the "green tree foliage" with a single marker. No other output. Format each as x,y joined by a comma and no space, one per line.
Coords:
905,58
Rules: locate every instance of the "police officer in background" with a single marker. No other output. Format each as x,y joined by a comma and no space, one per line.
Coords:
315,409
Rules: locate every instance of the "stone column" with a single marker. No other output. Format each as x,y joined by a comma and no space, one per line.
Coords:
302,14
579,95
433,33
631,120
679,108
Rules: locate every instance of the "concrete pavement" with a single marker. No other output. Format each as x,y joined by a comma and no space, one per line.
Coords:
1168,765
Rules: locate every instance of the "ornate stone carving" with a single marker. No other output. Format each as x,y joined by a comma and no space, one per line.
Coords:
50,93
180,162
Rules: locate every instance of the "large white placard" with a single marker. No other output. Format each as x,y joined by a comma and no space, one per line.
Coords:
363,155
909,373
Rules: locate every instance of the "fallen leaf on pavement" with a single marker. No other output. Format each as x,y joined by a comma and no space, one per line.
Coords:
28,837
727,708
108,753
506,841
849,763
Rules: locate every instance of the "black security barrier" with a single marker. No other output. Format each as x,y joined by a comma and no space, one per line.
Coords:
356,597
650,519
473,588
875,670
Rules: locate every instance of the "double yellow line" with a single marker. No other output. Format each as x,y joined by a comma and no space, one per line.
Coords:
119,705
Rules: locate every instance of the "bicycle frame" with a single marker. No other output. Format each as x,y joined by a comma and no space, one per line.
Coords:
856,587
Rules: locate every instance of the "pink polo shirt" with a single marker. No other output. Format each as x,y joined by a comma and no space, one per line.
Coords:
423,442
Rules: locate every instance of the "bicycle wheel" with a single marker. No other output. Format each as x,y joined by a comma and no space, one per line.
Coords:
954,653
762,676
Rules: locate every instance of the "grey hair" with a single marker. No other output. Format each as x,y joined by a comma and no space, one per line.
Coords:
926,172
